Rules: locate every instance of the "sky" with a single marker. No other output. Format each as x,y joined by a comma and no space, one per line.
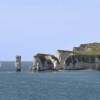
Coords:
28,27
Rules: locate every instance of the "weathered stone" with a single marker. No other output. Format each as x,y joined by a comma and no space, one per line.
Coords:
44,62
86,56
18,64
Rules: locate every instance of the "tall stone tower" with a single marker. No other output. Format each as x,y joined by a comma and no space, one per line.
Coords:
18,63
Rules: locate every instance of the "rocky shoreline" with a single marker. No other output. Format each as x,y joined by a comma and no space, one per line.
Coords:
84,57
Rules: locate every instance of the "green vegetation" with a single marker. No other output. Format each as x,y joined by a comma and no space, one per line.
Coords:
65,51
91,45
94,49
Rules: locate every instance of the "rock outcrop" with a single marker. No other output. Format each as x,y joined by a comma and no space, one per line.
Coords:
18,63
86,56
44,62
78,62
62,55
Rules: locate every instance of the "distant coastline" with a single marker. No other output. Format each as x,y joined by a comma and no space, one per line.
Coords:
84,57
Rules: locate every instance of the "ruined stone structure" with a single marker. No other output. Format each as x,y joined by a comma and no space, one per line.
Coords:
44,62
18,63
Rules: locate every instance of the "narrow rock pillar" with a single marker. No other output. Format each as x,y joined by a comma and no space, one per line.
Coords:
18,64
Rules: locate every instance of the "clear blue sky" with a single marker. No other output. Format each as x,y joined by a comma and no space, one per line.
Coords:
28,27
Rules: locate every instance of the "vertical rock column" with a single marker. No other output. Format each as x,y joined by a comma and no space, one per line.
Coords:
18,64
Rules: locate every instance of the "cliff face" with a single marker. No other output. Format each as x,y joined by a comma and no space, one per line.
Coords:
62,55
86,56
44,62
77,62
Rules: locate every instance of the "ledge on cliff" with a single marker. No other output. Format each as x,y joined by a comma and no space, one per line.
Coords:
65,51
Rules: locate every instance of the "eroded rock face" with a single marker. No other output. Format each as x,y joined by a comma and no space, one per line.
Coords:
86,56
62,56
77,62
44,62
18,63
71,61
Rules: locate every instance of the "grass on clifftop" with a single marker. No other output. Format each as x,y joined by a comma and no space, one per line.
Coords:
94,46
87,53
95,49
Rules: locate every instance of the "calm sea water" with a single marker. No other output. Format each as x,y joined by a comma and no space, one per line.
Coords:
83,85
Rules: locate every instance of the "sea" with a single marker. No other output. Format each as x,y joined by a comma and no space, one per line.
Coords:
63,85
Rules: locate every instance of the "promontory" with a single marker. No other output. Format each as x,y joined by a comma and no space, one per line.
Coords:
86,56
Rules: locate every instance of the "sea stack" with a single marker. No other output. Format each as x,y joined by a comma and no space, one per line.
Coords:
43,62
18,63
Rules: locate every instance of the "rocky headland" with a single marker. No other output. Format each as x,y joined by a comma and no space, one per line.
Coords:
86,56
